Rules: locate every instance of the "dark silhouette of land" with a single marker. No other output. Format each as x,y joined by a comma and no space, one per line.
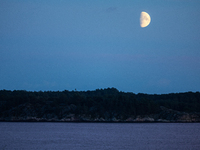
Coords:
101,105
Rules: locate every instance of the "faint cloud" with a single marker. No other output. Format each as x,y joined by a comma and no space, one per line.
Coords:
111,9
45,85
49,84
160,83
164,82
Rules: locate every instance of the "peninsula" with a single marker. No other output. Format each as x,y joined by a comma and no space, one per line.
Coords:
101,105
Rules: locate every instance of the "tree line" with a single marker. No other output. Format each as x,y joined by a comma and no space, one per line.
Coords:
100,102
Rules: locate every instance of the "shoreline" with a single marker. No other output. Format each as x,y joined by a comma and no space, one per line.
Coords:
29,121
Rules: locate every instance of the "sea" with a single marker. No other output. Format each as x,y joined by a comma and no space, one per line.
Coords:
99,136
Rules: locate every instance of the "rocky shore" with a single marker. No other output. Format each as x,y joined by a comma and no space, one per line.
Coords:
165,115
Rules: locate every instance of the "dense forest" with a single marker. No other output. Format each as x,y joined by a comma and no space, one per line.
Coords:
101,103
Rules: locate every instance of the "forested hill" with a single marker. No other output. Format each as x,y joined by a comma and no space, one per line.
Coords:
99,105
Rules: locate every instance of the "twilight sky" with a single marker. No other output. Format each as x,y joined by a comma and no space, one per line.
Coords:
86,45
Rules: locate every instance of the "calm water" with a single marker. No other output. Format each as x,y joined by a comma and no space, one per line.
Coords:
95,136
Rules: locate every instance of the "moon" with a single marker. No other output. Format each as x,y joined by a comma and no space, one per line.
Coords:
145,19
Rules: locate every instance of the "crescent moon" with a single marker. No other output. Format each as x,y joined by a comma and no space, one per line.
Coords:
145,19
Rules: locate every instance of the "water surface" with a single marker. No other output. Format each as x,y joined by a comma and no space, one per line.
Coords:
99,136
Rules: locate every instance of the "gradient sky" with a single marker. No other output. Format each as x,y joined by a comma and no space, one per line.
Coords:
90,44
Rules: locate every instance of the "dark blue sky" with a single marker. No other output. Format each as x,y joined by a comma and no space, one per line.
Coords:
85,45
